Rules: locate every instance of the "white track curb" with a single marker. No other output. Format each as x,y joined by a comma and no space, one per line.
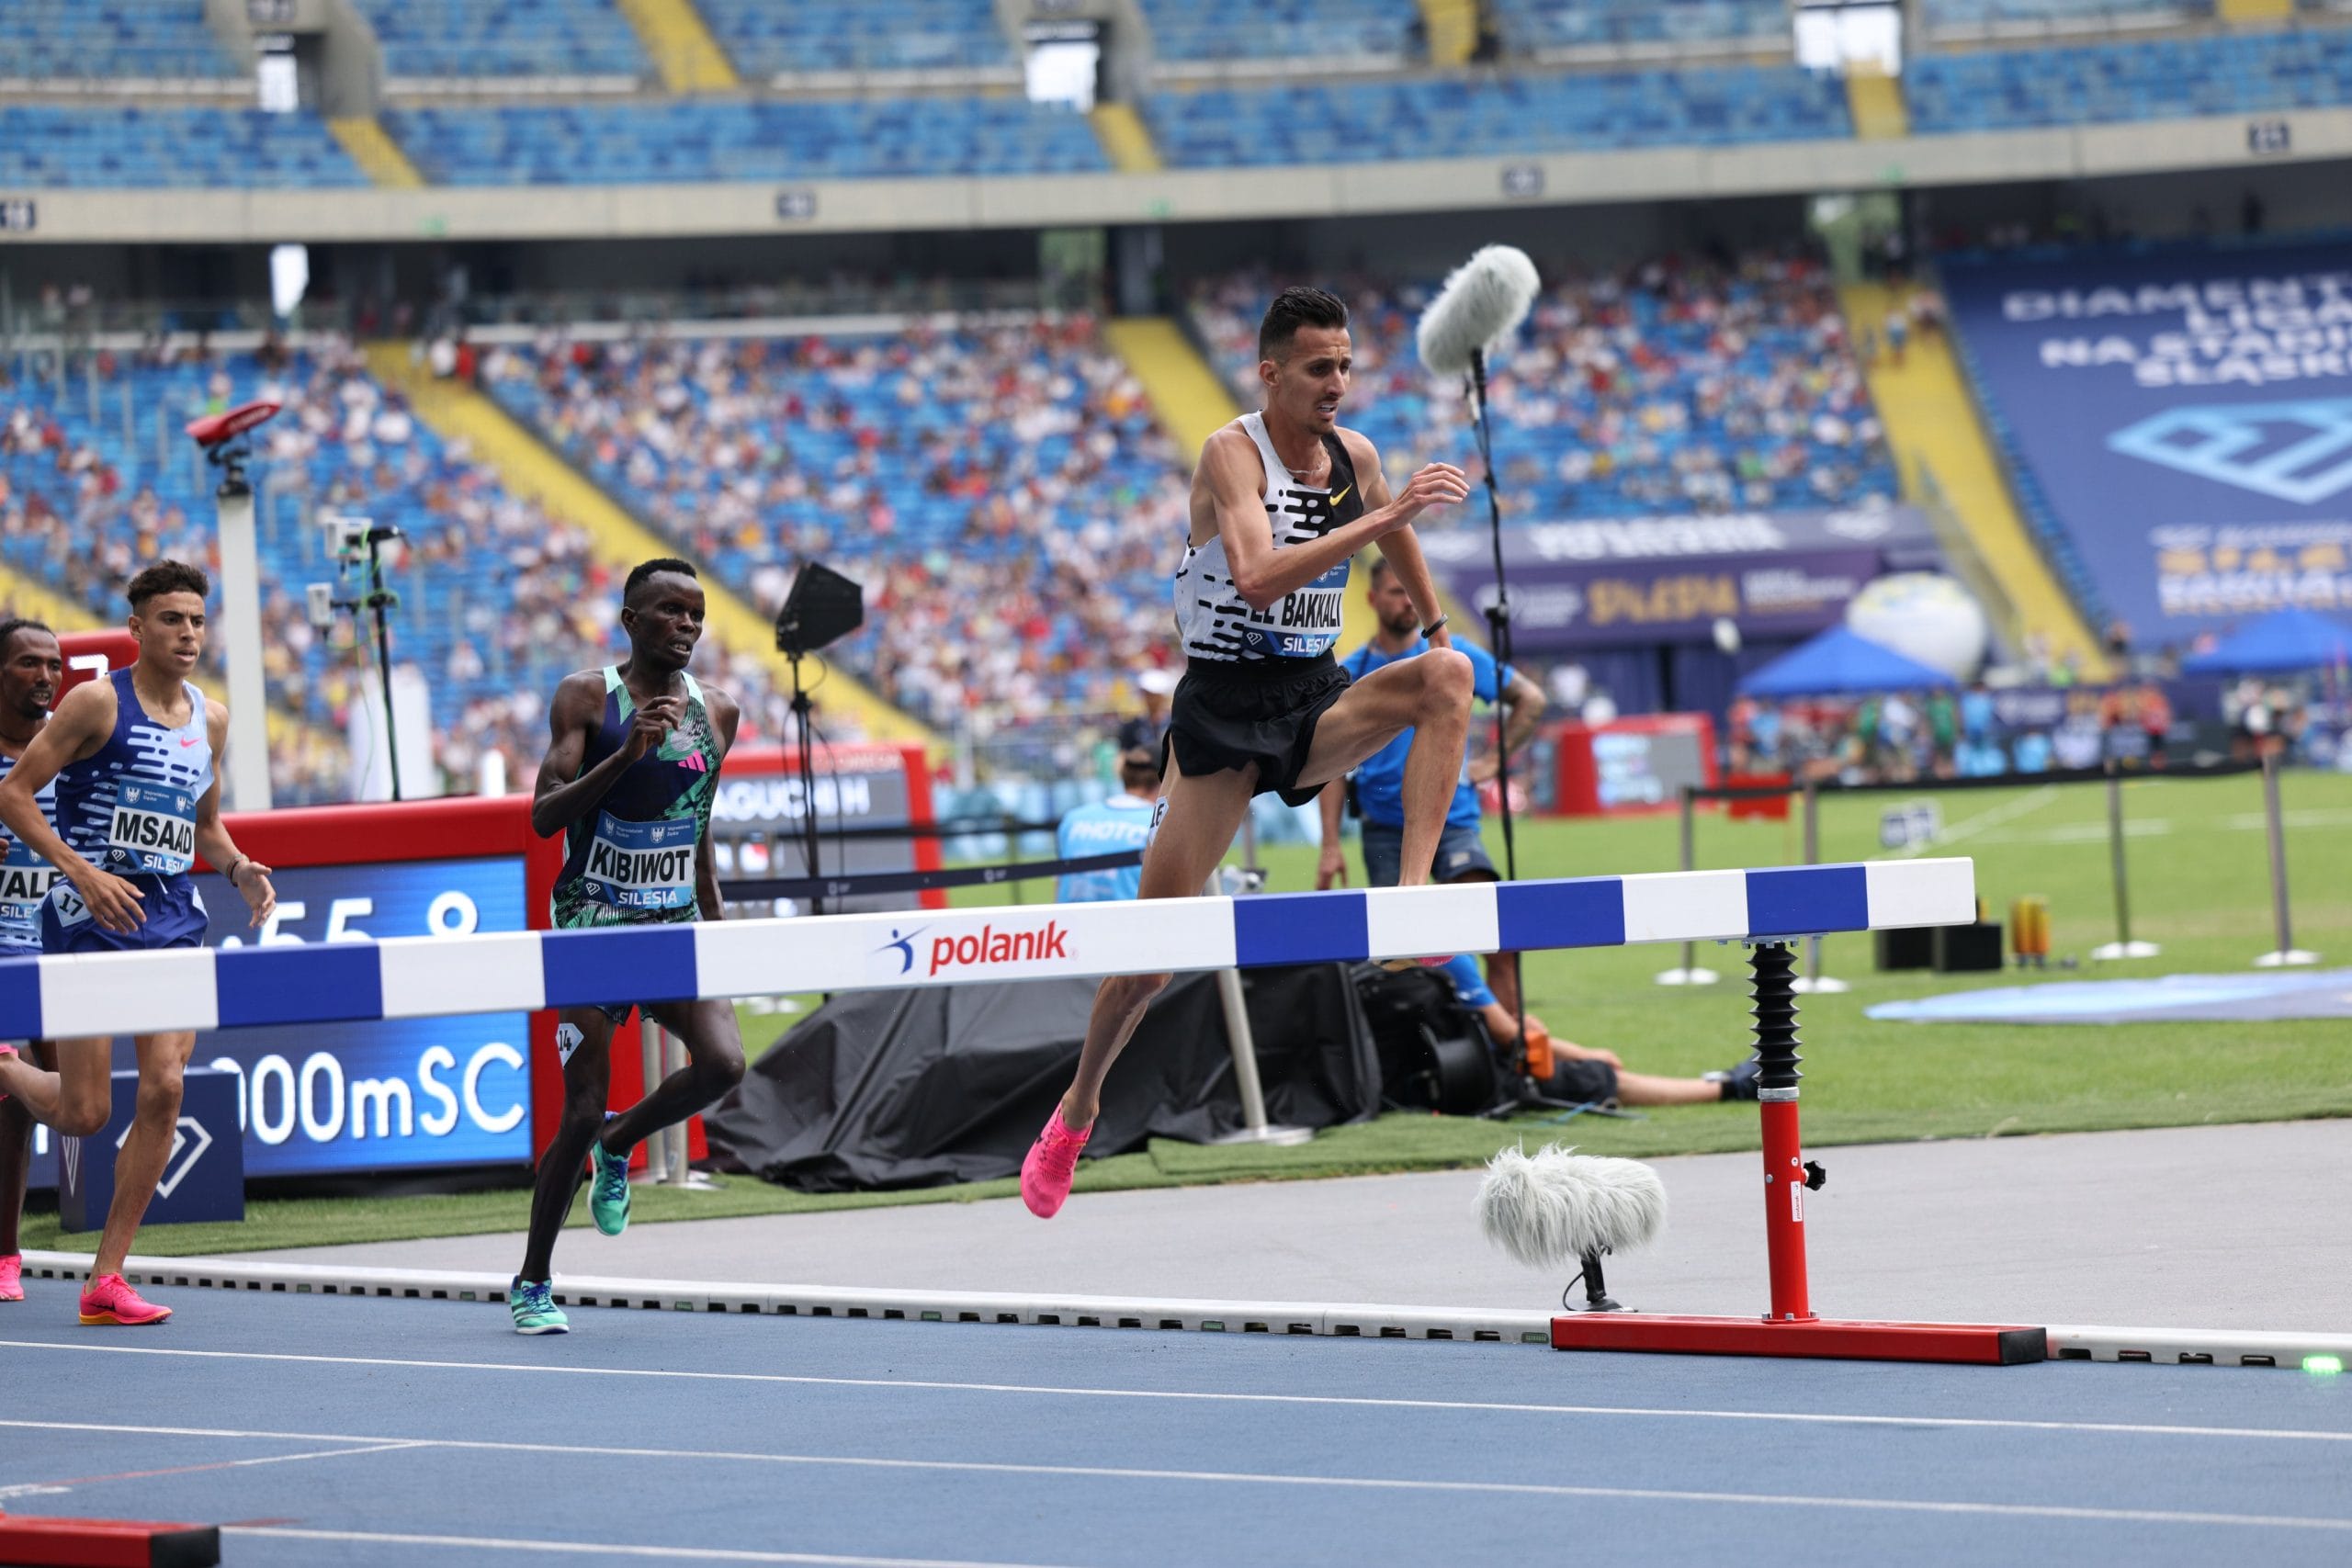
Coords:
2169,1347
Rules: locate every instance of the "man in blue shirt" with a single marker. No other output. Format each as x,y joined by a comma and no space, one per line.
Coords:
1122,822
1379,780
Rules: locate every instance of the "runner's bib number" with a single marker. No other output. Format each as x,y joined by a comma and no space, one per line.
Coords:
24,881
642,865
152,831
1306,623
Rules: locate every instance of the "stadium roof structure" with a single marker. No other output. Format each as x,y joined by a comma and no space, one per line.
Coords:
2282,642
1841,662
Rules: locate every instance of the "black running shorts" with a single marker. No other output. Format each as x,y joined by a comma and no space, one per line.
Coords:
1229,716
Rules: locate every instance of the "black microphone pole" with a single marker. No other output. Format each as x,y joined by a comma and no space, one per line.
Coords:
1498,644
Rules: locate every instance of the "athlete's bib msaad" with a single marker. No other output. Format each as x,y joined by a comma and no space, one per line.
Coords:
152,830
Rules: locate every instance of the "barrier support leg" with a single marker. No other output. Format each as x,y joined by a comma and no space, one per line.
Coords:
1791,1328
1814,981
1690,974
2285,954
1243,1042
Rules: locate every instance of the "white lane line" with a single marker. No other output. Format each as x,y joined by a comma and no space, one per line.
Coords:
1351,1482
2286,1433
1969,826
612,1549
69,1483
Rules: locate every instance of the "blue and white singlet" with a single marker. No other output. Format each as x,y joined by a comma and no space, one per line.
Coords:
129,808
24,882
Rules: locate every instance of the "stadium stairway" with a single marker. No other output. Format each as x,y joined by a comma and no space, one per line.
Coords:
1875,100
2238,12
377,154
1452,26
1126,141
1938,439
528,468
681,46
22,595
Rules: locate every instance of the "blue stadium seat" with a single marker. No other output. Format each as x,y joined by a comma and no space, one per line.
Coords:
764,38
1668,390
1985,14
1368,122
54,146
78,40
1005,492
1278,29
2154,79
1530,26
506,37
687,140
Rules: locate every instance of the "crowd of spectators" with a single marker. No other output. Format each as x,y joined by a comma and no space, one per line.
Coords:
1979,731
999,486
1680,385
498,598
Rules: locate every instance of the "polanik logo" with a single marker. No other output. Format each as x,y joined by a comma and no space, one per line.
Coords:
2299,452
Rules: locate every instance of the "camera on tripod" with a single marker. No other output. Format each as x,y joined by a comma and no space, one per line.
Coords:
348,538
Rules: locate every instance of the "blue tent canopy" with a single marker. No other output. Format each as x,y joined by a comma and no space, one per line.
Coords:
1840,664
2281,642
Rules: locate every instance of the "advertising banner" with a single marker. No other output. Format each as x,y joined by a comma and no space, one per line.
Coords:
2186,413
1650,580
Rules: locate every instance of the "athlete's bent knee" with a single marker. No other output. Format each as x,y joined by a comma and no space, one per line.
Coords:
1448,679
159,1095
81,1119
718,1074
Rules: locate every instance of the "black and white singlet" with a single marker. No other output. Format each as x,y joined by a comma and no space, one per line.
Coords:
1217,624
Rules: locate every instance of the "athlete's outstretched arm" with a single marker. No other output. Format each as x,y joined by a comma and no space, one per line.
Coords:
246,874
562,794
724,715
1234,475
1402,546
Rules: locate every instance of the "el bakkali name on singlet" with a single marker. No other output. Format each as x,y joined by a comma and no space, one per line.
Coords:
633,859
25,880
1217,626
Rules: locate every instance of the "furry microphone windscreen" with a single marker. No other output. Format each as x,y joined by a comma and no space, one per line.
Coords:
1481,304
1553,1206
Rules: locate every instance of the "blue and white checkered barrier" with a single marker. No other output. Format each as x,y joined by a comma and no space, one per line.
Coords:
206,988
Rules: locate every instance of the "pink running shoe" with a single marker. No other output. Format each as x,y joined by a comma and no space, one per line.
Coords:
1052,1161
109,1299
12,1278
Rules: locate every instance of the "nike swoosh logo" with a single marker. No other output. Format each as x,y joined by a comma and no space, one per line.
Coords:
191,740
1339,495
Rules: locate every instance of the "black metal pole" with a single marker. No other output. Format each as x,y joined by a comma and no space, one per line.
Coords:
805,750
377,599
1498,644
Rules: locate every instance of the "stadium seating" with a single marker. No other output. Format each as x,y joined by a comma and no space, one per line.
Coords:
756,140
498,600
53,145
1672,388
1979,18
1278,29
507,39
49,40
2154,79
1003,490
764,38
1323,122
1529,27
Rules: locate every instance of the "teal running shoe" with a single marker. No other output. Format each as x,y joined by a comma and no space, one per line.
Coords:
607,1187
534,1308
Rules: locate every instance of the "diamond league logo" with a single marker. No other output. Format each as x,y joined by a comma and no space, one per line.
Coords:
2300,452
188,1139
